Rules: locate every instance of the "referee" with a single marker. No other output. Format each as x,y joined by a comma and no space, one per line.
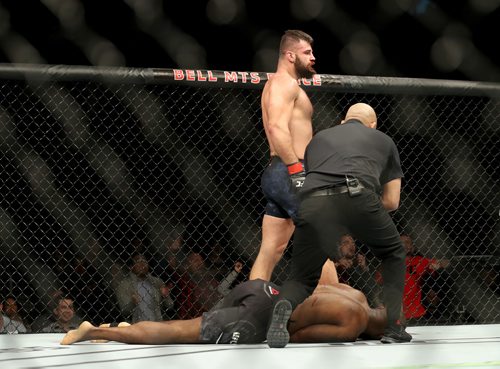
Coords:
353,181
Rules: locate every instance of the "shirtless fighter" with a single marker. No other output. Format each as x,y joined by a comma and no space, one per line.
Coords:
286,114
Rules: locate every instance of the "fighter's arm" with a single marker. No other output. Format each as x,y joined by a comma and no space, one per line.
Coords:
283,93
328,274
391,194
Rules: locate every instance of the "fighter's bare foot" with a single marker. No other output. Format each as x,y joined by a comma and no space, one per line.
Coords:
107,325
77,335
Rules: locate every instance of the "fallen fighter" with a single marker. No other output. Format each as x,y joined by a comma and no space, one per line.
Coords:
333,313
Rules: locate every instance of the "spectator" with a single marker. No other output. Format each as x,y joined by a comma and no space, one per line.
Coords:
425,284
48,317
64,314
8,325
199,289
11,310
219,259
168,265
353,269
141,296
422,292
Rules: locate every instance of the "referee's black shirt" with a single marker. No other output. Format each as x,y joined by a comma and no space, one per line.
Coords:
354,150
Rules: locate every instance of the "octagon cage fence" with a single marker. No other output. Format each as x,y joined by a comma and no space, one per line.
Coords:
99,165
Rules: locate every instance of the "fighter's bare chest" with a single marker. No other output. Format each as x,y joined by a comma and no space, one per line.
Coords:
303,104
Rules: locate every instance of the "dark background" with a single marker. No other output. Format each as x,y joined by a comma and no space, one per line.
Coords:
399,38
408,38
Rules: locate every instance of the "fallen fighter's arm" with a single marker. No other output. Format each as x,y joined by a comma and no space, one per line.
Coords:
329,274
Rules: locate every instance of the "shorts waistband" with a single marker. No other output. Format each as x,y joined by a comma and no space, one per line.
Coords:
278,158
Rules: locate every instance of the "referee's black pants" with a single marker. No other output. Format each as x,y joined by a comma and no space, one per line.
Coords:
322,220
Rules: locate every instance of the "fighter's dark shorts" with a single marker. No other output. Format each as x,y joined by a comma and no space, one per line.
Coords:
277,188
244,315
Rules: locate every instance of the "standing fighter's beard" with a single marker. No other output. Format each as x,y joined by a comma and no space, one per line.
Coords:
303,71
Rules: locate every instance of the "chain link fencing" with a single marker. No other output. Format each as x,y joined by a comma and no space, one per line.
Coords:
108,171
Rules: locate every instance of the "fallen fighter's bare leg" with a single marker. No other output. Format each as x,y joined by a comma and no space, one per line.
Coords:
107,325
148,333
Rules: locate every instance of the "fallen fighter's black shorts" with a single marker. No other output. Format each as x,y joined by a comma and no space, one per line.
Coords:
275,182
244,315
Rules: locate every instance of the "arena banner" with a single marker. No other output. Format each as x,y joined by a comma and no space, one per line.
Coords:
245,79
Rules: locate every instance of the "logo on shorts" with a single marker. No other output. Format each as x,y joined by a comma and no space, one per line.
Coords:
234,339
273,291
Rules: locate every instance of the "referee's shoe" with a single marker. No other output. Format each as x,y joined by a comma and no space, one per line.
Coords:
395,334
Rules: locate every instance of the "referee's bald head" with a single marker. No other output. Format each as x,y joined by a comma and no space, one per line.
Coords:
362,112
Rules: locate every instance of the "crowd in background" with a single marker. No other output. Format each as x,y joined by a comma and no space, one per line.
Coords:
180,285
189,281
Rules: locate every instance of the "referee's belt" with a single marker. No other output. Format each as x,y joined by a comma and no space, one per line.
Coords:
337,190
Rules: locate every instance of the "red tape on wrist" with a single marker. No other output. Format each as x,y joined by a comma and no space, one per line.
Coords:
295,168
